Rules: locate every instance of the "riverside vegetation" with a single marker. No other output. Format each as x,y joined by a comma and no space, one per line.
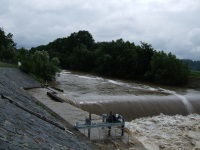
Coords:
79,52
39,64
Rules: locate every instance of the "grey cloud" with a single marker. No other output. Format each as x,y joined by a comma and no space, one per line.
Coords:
194,36
169,26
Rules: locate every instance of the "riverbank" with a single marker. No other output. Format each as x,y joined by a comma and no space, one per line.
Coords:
194,82
26,125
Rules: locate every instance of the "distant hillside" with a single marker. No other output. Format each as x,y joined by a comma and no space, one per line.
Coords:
193,65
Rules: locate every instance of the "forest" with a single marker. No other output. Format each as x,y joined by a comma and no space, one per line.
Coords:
193,65
80,52
121,59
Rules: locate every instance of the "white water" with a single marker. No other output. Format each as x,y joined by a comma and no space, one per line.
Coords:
167,132
187,104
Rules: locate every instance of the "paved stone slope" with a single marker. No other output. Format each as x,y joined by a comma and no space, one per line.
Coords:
19,129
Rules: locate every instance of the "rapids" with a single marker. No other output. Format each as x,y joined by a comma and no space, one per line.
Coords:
133,100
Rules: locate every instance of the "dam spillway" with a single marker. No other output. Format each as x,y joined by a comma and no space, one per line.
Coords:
100,95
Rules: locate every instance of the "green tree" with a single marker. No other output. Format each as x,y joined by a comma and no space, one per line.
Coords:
80,38
63,48
82,59
127,61
43,67
167,69
24,57
116,58
107,53
7,47
145,53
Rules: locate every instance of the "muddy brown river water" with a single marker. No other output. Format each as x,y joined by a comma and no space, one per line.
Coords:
133,100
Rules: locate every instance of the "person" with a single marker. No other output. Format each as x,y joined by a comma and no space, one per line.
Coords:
87,121
119,118
115,119
109,120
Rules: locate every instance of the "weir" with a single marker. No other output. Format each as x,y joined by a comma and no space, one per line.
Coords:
185,101
137,108
132,100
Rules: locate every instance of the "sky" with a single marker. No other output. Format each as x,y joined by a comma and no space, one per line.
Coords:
168,25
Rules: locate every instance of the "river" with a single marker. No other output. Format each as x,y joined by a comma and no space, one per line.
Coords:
133,100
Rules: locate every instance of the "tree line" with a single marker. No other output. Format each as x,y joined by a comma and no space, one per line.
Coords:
118,58
80,52
193,65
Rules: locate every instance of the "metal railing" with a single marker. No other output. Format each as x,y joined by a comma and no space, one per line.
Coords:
103,132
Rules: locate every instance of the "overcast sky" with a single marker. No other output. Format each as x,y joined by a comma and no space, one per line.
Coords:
169,25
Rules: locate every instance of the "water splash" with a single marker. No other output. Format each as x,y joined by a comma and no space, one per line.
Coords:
185,101
116,82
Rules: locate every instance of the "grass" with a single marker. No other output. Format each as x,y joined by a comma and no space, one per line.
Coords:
39,79
2,64
195,74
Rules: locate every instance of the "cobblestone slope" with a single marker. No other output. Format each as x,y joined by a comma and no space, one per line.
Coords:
20,129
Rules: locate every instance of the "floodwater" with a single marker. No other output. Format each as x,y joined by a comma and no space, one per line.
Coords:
161,124
133,100
167,132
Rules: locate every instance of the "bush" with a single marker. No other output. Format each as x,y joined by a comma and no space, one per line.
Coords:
39,64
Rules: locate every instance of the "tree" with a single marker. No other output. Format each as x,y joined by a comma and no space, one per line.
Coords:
167,69
82,59
80,38
116,59
38,64
24,57
63,48
145,53
193,65
7,46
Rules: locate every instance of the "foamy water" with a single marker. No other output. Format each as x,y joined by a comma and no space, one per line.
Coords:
65,72
116,82
167,132
89,77
185,101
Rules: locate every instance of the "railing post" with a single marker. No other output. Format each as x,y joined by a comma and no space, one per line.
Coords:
90,124
110,120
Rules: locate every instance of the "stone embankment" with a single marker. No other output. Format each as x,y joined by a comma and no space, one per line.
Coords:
23,123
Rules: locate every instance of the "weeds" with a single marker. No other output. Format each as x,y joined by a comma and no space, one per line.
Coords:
195,73
2,64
